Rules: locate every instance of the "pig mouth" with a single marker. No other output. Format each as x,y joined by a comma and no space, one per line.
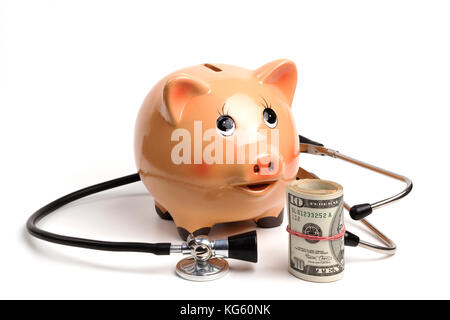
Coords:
256,188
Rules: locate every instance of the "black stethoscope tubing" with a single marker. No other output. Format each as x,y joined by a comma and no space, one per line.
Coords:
358,212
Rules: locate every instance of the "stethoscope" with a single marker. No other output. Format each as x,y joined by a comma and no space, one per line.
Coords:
359,212
206,257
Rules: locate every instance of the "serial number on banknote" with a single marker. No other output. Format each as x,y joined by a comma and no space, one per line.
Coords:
308,214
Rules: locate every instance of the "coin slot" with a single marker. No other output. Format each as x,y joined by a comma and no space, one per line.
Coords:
213,68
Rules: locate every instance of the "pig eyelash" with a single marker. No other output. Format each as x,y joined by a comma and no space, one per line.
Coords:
265,104
222,112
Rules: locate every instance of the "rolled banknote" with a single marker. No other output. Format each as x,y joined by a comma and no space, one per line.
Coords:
316,230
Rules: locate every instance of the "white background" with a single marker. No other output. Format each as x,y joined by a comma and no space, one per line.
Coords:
374,82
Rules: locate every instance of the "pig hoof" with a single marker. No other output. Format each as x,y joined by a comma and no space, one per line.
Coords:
163,215
184,233
270,222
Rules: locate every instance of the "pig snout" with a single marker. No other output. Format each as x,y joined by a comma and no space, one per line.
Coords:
267,166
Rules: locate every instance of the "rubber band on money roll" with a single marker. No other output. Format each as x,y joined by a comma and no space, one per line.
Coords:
315,238
315,210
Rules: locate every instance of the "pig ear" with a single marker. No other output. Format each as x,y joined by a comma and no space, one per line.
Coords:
177,92
281,74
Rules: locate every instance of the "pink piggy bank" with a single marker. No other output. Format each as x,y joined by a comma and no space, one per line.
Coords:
218,143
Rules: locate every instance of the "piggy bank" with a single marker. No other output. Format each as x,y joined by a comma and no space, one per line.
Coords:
216,143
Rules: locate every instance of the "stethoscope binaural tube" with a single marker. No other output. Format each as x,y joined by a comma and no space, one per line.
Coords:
359,211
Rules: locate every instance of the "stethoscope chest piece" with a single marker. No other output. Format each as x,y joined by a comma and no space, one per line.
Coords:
198,270
206,261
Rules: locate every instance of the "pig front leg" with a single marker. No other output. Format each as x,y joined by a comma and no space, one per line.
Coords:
184,233
270,219
192,223
162,212
184,226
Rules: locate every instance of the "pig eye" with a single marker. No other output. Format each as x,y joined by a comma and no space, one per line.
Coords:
225,125
270,117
